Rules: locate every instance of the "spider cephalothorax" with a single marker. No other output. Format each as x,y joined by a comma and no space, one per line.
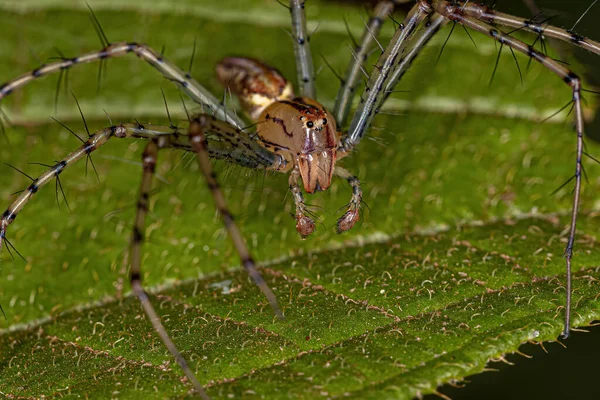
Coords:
299,129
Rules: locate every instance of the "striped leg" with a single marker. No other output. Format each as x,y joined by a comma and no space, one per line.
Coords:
351,216
94,141
375,89
486,14
149,158
390,68
343,100
224,137
176,139
225,142
137,238
169,70
432,26
454,13
305,70
197,135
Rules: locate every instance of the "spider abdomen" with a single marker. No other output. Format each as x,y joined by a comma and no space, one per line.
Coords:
256,84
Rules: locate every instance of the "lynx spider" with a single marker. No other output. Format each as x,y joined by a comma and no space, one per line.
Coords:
294,134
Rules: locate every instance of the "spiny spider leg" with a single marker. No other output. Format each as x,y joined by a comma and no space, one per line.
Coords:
225,142
374,92
420,39
198,127
189,85
199,144
149,158
92,143
201,128
220,142
398,56
305,70
343,100
385,74
486,14
571,79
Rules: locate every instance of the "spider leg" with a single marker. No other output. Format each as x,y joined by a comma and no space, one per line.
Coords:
222,138
486,14
198,126
189,85
397,57
405,45
419,41
91,144
455,14
304,224
225,142
149,158
343,100
347,221
305,70
234,145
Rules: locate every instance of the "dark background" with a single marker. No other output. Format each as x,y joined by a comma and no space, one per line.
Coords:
561,373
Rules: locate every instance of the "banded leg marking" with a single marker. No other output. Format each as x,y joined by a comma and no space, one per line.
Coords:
416,45
149,158
92,143
169,136
304,63
200,146
189,85
571,79
486,14
375,89
343,100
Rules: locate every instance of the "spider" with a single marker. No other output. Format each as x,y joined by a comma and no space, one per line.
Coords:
292,132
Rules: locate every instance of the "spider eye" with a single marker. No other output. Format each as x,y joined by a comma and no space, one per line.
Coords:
310,124
324,121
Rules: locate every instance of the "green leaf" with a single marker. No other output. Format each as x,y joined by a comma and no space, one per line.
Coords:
457,259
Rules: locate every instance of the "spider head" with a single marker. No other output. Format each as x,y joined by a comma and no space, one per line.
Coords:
317,139
304,131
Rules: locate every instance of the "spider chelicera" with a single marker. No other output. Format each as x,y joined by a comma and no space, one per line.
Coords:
293,132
